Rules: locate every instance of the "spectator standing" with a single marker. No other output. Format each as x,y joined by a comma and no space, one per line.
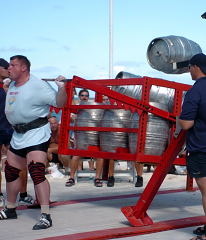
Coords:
138,166
193,119
5,127
84,96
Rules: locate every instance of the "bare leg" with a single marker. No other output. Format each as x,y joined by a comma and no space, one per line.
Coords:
42,189
139,168
74,165
14,187
0,181
65,160
111,168
23,176
80,165
91,164
201,182
0,170
43,192
99,167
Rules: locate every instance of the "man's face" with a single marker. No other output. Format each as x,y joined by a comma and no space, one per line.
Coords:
53,124
105,99
84,96
4,73
193,71
16,68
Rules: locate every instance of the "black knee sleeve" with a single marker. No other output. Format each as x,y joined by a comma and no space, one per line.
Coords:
11,173
37,172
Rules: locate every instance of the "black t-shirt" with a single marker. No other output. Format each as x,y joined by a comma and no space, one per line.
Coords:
194,108
4,124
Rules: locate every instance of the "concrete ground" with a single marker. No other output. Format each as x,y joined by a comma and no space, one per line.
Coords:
85,208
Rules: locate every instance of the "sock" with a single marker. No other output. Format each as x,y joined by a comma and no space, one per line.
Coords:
11,205
23,195
45,209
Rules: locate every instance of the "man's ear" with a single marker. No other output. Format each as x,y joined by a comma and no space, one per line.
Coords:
24,68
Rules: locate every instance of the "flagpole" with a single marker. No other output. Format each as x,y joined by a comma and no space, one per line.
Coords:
110,38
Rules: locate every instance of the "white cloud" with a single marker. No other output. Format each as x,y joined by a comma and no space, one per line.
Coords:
14,49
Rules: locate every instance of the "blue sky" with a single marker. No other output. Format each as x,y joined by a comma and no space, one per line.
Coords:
71,37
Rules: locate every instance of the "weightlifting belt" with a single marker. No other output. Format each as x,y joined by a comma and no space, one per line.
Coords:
24,127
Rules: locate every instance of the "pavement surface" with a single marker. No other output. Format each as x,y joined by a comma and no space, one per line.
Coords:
87,212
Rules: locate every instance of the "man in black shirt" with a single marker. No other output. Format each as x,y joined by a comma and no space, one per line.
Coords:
5,127
193,119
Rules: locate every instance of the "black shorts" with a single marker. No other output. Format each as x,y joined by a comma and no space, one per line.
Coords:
5,137
196,164
23,152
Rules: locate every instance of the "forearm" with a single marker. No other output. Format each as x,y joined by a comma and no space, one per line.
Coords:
186,124
61,97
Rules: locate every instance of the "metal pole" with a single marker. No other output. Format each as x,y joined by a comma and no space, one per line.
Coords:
53,79
110,39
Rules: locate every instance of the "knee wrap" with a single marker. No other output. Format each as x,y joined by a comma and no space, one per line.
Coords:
37,172
11,173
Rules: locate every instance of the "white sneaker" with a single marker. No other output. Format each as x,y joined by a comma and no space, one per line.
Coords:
2,201
55,173
28,200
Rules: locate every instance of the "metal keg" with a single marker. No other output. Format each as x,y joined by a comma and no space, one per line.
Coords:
162,95
157,94
171,54
133,91
134,123
117,118
157,133
88,118
123,74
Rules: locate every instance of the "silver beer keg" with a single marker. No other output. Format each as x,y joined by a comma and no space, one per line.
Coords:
162,95
157,94
157,133
171,54
88,118
133,137
133,91
117,118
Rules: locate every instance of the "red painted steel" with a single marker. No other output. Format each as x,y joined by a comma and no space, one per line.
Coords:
114,233
137,214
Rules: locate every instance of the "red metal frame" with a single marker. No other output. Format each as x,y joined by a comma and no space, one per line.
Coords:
136,215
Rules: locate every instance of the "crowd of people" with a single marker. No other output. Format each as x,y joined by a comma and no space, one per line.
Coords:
29,136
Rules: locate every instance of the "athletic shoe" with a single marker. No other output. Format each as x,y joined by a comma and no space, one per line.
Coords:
139,182
110,182
55,173
28,200
2,201
70,182
44,222
8,213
